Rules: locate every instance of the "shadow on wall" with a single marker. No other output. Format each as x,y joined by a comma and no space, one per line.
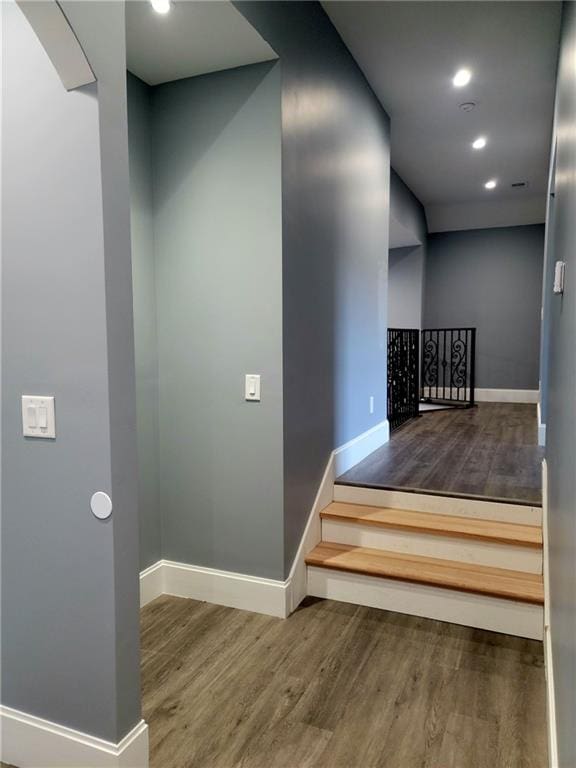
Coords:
187,140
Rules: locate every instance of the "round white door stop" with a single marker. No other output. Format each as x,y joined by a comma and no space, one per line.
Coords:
101,505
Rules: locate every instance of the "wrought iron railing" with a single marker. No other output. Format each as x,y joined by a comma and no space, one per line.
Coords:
448,365
403,376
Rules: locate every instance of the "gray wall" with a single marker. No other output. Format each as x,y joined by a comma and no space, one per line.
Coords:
406,208
547,295
70,646
206,217
406,286
406,265
561,424
490,279
217,230
145,337
335,247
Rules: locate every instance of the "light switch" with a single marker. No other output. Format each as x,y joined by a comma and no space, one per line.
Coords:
559,270
38,416
252,386
42,417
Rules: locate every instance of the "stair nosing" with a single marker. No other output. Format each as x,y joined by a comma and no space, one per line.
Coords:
325,514
505,594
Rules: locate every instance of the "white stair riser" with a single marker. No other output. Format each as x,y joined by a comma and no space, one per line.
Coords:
470,610
465,550
441,505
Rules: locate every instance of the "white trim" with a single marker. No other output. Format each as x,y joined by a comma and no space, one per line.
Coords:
486,395
541,429
59,41
506,395
31,742
349,454
298,587
438,504
151,583
553,760
251,593
546,551
468,609
235,590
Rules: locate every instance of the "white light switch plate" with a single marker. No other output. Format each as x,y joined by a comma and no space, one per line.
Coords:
252,386
559,270
38,416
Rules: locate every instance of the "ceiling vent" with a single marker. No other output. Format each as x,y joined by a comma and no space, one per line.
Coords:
519,185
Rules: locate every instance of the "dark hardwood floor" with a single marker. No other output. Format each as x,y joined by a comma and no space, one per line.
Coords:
490,451
336,686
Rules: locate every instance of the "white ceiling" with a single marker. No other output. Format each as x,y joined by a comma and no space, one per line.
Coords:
193,38
409,52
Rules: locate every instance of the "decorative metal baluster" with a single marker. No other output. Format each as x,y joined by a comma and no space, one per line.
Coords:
403,375
448,365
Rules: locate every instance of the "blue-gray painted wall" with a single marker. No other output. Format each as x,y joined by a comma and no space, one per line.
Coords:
547,296
407,264
70,644
145,332
490,279
561,421
333,297
218,261
335,193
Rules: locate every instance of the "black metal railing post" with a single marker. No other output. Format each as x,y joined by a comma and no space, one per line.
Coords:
472,366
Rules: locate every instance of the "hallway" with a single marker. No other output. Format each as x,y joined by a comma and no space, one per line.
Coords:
338,686
489,451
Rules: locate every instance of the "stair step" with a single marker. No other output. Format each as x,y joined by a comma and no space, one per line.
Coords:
436,524
463,577
437,503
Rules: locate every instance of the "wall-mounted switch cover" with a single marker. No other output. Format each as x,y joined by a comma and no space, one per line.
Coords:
371,404
38,418
559,269
252,387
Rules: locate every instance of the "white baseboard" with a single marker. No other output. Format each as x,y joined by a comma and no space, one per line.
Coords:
506,395
311,537
439,504
250,593
541,429
553,760
541,435
31,742
352,452
235,590
151,583
471,610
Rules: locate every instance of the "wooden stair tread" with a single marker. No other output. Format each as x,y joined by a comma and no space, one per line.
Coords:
464,577
517,534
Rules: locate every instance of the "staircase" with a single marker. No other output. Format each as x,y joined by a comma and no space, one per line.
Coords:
465,561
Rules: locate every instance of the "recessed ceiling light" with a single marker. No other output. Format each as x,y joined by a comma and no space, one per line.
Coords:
479,143
160,6
461,78
491,184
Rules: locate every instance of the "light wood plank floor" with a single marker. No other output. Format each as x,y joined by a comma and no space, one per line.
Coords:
336,686
490,451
